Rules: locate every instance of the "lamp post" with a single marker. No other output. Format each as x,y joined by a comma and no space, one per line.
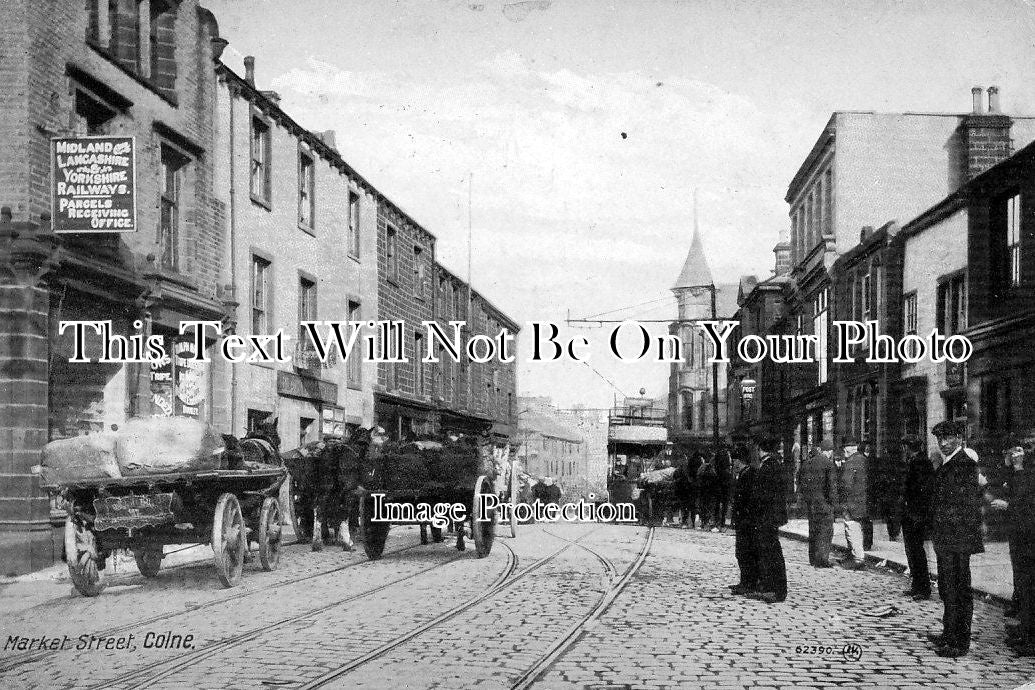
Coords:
695,290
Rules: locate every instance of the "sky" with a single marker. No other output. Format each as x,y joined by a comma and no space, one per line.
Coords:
571,134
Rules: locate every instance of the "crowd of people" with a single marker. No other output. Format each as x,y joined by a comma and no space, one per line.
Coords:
943,497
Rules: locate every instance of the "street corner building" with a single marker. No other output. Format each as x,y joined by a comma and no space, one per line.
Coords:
118,69
225,210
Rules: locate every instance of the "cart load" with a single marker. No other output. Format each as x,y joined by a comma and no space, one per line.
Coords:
143,446
454,470
431,467
659,478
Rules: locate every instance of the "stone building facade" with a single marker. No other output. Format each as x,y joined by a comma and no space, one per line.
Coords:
303,248
140,69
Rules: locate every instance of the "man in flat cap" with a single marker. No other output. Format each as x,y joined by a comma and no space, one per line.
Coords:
768,504
956,533
852,492
916,506
817,484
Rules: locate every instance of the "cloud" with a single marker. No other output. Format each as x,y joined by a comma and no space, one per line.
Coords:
567,212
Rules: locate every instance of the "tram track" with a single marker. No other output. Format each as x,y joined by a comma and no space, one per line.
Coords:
575,632
504,581
14,661
148,676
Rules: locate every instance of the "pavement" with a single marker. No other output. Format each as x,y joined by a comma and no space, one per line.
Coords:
990,572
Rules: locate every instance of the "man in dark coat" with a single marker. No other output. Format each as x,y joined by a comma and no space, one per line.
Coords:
768,506
852,495
956,533
723,484
817,484
747,555
1016,496
916,505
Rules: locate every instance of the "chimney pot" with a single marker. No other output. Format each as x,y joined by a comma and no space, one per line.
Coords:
979,104
249,69
993,99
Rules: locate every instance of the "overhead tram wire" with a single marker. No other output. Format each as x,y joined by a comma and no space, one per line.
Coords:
606,380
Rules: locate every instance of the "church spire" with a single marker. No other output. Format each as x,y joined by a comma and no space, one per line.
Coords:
695,268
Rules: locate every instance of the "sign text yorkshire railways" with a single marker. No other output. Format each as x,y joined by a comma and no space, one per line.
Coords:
94,185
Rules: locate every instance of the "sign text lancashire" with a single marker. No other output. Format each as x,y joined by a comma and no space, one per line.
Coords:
93,184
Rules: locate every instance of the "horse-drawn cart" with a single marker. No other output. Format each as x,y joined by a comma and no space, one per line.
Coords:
226,508
428,472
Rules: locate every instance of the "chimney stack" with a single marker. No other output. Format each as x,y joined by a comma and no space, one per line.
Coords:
249,70
984,137
329,138
979,102
272,95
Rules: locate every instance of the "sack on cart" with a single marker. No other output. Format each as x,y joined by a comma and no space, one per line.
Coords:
161,445
81,457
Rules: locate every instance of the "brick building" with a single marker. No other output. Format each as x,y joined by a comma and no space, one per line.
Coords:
303,248
414,398
140,69
934,296
756,389
551,445
864,167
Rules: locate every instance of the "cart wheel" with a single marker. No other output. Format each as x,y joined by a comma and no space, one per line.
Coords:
229,540
269,534
483,527
149,560
374,533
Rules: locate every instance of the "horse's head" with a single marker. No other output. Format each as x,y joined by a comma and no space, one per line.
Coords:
267,431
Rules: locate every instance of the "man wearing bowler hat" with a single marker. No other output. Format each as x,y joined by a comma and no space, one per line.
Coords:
956,534
768,505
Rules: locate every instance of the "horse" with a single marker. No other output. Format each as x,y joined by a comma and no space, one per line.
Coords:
327,479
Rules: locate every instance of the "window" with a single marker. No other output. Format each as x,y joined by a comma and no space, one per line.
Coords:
354,364
392,250
91,115
418,366
996,413
255,418
819,327
1013,238
828,201
688,410
141,37
306,190
161,48
909,314
865,293
306,425
169,225
261,156
306,310
354,224
262,295
418,273
952,305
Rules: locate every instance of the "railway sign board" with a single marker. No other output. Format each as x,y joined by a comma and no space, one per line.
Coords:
93,184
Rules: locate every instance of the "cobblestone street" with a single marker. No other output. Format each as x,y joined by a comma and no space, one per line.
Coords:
561,606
